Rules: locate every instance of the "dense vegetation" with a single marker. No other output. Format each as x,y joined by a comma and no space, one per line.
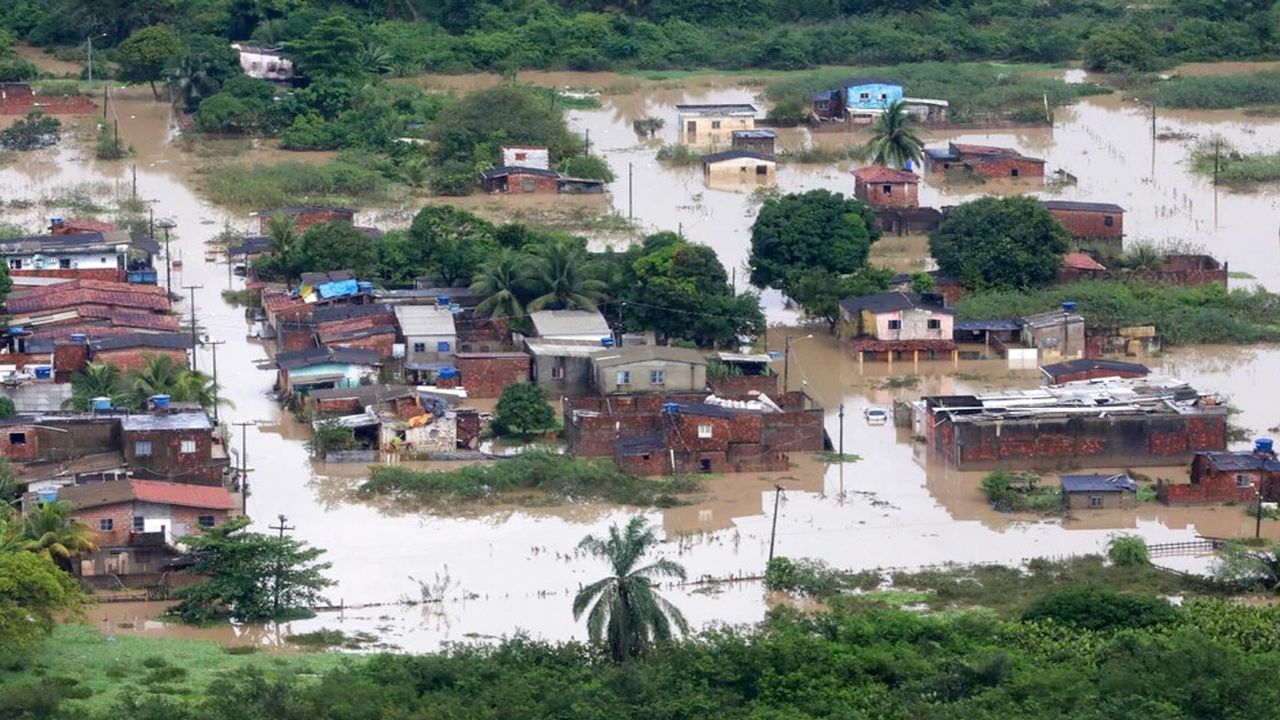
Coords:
555,477
1000,242
1183,315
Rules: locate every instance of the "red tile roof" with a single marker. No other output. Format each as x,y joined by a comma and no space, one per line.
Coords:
168,493
71,227
882,174
968,149
1081,261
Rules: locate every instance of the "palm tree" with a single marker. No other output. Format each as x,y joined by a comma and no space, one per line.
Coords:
893,141
501,280
95,380
50,531
558,273
196,387
159,375
626,614
374,58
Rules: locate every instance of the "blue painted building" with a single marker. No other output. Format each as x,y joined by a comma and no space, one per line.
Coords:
869,94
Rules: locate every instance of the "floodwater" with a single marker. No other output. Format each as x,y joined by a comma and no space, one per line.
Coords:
418,580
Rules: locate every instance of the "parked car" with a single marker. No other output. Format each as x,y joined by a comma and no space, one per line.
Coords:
876,415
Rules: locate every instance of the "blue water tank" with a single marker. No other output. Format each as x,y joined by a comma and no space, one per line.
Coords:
100,404
364,286
907,166
1068,306
455,308
78,337
43,372
670,407
15,329
442,300
48,496
606,342
159,402
447,373
1263,445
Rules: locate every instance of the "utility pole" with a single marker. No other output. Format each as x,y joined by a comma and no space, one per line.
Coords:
588,152
213,345
167,224
631,191
282,527
193,289
773,533
841,432
1217,158
244,464
1257,523
786,362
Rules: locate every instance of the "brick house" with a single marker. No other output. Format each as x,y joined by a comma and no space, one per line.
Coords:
305,216
175,446
1096,492
519,181
739,374
884,187
27,442
1218,477
897,322
132,351
985,161
485,374
1092,225
137,523
681,433
1091,368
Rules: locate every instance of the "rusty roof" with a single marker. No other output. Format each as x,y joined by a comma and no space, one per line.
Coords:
1081,261
83,497
882,174
87,292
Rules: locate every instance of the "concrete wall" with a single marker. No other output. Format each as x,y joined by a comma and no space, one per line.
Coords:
677,377
58,442
1109,500
914,325
429,352
734,169
716,130
1059,340
179,521
871,96
530,157
576,375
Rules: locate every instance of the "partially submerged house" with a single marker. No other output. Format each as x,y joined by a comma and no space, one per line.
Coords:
1218,477
1092,225
1096,423
714,124
647,369
985,161
1055,334
1097,492
892,323
516,180
739,166
762,141
895,196
1091,368
300,371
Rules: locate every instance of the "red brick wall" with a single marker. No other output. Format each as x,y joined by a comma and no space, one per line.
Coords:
108,274
515,184
743,384
166,462
27,451
485,376
1089,223
295,337
1004,167
307,219
1210,486
901,195
69,358
136,358
121,515
381,343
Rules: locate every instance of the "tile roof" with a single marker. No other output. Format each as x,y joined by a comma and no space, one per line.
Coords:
882,174
1082,206
648,353
338,313
83,497
736,155
275,301
349,333
1081,261
891,302
86,292
1098,483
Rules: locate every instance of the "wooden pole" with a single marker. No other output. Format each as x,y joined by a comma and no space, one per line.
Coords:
773,533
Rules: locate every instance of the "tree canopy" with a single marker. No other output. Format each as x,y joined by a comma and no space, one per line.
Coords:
523,409
1000,243
815,230
33,593
145,54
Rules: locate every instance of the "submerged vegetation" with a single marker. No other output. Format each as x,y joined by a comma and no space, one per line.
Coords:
344,180
556,478
1217,159
1220,92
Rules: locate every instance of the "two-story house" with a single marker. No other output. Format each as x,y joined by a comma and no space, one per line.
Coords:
892,323
714,125
649,368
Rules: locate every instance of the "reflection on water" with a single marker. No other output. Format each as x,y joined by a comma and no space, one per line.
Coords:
491,571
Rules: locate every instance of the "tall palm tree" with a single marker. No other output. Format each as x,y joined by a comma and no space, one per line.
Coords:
159,375
560,277
893,141
502,280
626,614
95,380
50,531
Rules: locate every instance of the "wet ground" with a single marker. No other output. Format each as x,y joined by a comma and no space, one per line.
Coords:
487,572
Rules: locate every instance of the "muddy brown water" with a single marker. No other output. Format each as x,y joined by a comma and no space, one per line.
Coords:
492,571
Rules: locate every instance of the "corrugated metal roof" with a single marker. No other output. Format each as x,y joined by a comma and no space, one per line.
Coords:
545,347
190,420
1082,206
736,155
1098,483
170,341
552,323
420,320
648,353
717,109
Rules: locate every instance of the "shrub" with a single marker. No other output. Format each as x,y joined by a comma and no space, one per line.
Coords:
1128,551
1091,608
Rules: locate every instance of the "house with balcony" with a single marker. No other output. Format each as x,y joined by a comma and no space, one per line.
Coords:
893,323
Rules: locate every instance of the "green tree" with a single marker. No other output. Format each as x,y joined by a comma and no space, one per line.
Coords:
1120,49
626,614
1128,551
223,112
330,435
33,594
1092,608
523,409
893,140
820,293
201,68
283,242
502,280
7,409
49,530
250,577
144,55
332,48
94,381
449,242
337,246
1009,242
32,132
815,230
1243,566
559,274
591,167
162,375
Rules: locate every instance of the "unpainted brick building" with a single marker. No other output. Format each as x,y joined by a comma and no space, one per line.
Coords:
176,446
1218,477
484,375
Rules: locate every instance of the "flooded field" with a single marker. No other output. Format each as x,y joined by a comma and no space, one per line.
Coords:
419,580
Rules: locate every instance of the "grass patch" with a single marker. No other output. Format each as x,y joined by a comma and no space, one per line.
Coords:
1182,315
900,381
326,638
678,156
558,478
241,298
106,669
340,181
1220,92
816,579
1021,492
821,155
1234,167
828,456
1241,275
975,91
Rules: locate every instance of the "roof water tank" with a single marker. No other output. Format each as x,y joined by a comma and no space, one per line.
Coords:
447,373
606,342
43,372
1263,445
78,337
100,404
442,300
1069,307
159,402
670,407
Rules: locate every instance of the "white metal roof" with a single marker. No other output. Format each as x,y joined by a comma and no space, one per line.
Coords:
420,320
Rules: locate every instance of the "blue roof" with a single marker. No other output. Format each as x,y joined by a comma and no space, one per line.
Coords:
1098,483
338,288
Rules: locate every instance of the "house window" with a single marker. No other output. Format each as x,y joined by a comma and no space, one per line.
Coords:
205,520
17,438
64,263
884,96
704,431
142,448
657,377
623,377
1108,220
762,169
886,189
139,524
419,347
935,324
1013,172
187,447
522,156
557,372
715,124
15,264
1244,481
442,347
864,96
1095,501
895,324
106,524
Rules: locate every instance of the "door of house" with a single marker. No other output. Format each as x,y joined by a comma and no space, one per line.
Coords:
527,184
691,128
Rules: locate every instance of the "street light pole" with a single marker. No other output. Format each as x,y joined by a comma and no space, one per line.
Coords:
282,527
786,362
244,464
213,345
193,289
773,533
167,224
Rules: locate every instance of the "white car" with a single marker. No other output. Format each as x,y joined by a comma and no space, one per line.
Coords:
876,415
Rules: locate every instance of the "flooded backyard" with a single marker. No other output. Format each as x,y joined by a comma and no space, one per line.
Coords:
419,580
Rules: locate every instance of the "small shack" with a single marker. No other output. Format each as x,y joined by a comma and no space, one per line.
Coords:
739,165
1057,333
519,180
761,141
885,187
1094,492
